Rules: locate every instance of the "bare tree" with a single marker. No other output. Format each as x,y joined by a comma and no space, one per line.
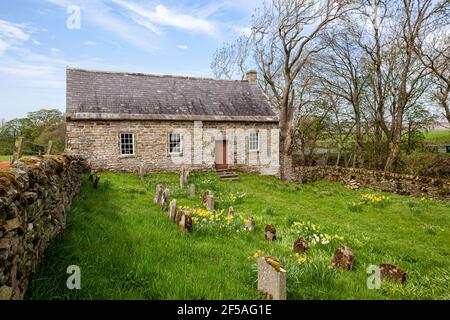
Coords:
232,59
284,37
433,49
340,69
414,16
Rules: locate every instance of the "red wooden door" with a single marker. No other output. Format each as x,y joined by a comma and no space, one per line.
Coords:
221,155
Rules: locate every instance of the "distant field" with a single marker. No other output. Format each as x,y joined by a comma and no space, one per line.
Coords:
5,158
438,136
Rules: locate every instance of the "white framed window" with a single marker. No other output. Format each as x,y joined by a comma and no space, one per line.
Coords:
126,144
175,143
254,141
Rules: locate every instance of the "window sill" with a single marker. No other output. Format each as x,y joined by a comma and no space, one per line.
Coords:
125,156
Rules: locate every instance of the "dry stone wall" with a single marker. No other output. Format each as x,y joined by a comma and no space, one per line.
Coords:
34,195
377,180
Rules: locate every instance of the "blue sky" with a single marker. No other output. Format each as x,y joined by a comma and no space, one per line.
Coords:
163,37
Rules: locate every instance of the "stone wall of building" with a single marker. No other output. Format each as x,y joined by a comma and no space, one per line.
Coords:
377,180
98,142
34,195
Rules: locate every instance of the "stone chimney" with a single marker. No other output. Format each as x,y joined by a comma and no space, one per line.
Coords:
252,75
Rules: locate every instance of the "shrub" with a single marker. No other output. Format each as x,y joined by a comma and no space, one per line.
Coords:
426,164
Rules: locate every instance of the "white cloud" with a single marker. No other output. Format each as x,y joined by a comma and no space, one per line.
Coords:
246,31
3,46
182,47
104,17
54,51
13,31
90,43
12,34
167,17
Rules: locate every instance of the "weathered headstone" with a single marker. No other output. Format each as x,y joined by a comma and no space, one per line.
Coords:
96,181
141,172
163,205
158,194
343,258
205,197
210,202
271,278
91,176
300,245
178,216
172,210
392,272
181,180
230,212
192,190
184,175
185,223
271,232
250,224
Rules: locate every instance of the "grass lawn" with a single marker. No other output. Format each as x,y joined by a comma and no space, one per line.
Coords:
438,136
127,249
5,158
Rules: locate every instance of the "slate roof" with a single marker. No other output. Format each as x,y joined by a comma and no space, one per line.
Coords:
122,95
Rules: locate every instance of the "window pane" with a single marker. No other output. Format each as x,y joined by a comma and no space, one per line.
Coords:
175,143
126,144
254,141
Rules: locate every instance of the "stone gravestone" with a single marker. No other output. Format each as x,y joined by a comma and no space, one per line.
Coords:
158,194
184,175
210,202
172,210
185,223
96,181
271,278
250,224
183,220
300,245
271,232
163,205
192,190
390,271
182,178
205,197
343,258
141,172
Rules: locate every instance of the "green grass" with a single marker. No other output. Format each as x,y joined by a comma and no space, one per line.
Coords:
438,136
5,158
127,249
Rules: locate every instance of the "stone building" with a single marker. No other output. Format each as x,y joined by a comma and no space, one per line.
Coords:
120,121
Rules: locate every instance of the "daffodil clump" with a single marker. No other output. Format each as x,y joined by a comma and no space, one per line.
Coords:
227,200
356,206
378,200
312,233
204,218
256,255
299,258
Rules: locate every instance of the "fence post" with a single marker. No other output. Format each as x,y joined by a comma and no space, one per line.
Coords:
17,149
49,147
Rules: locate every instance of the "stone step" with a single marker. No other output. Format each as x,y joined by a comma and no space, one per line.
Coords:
230,178
228,175
221,174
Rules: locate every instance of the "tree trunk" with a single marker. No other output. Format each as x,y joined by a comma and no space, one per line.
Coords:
394,154
286,169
